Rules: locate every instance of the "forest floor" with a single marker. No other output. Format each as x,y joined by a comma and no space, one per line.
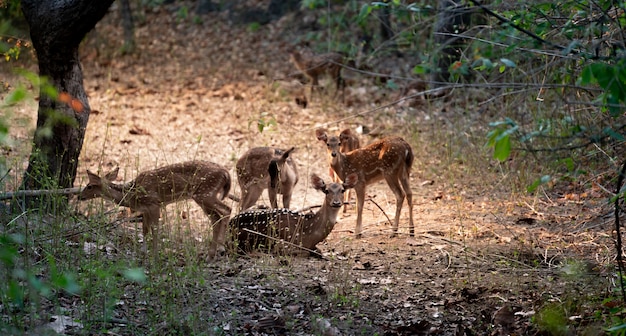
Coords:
485,259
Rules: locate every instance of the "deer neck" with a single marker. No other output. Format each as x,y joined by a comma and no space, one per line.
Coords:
121,194
339,165
322,224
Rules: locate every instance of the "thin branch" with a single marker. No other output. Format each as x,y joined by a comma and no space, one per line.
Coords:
283,242
30,193
620,266
523,30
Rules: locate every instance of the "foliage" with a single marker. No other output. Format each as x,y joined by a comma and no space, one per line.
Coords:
22,283
265,121
552,319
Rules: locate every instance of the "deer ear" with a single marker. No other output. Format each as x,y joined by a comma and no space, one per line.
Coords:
286,154
350,181
93,178
112,175
318,183
320,133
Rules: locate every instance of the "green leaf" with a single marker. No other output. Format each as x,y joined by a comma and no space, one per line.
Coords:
502,148
544,179
16,96
611,132
569,163
366,10
135,275
508,62
420,69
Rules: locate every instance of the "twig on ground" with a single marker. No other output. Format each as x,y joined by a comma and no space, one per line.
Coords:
284,242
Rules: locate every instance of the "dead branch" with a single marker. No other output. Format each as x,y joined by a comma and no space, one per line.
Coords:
30,193
284,242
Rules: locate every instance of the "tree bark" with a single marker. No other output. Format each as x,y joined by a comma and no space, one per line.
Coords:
128,25
452,18
56,29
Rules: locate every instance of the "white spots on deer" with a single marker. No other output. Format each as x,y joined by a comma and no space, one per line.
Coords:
282,225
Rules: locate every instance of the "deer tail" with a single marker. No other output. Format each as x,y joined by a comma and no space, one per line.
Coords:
408,160
226,186
273,171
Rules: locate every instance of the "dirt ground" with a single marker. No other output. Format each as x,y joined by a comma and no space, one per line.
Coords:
484,259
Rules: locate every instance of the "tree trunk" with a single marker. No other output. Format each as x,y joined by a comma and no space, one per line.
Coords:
206,6
56,30
129,27
452,18
386,31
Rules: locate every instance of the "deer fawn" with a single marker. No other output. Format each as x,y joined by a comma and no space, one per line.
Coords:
315,66
389,158
349,142
205,182
266,168
303,230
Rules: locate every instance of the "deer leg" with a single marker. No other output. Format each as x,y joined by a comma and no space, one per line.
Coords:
346,200
286,199
340,84
249,196
150,224
315,86
218,212
272,193
360,200
394,185
406,185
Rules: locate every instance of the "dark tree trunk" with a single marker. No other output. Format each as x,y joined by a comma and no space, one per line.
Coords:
206,6
129,27
277,8
386,32
56,29
452,18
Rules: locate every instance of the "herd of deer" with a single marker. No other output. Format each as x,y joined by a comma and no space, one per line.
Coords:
276,229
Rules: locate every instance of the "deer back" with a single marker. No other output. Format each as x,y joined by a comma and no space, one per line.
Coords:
390,155
184,180
387,156
163,185
254,167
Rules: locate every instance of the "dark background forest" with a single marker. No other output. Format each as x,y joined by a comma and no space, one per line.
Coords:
514,112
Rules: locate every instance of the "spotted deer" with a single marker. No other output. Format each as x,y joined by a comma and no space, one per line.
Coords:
204,182
389,158
315,66
349,142
278,230
268,168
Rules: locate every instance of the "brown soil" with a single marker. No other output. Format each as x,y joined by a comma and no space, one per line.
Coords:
484,259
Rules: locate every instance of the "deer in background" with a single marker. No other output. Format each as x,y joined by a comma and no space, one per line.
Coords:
205,182
389,158
349,142
252,228
268,168
315,66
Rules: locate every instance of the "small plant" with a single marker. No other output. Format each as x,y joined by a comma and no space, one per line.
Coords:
552,319
265,120
22,285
